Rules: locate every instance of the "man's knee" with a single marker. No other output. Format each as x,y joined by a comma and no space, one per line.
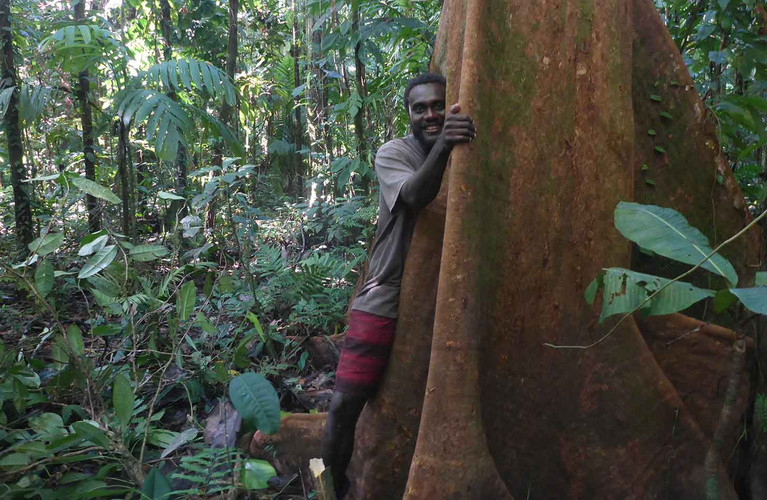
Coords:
346,406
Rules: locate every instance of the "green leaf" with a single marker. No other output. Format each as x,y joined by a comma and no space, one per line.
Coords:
723,300
44,278
754,299
156,486
90,432
257,324
98,262
593,288
122,399
164,195
256,474
94,246
660,149
75,338
179,441
760,279
652,132
624,290
723,4
106,330
666,115
256,400
46,244
95,189
205,324
649,182
143,253
656,97
15,460
667,233
185,300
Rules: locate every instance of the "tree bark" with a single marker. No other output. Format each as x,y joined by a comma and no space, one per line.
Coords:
92,204
360,119
21,190
553,92
296,181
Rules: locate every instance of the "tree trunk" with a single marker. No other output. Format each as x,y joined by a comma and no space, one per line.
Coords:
296,181
360,121
92,204
21,190
177,207
473,405
127,183
227,111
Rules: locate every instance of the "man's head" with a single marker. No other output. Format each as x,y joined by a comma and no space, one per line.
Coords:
425,103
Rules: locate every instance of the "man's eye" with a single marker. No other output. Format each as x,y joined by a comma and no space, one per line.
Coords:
418,109
440,106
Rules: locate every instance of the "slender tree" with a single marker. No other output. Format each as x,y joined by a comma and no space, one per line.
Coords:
86,119
295,182
360,119
21,190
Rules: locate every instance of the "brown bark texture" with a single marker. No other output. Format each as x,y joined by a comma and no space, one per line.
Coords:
22,206
473,405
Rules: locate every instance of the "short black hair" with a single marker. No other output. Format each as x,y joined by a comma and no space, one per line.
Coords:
421,80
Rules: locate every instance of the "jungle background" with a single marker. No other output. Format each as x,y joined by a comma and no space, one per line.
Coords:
187,200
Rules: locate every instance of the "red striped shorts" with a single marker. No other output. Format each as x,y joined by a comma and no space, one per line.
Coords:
365,353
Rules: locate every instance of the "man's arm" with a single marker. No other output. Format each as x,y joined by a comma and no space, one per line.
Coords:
423,186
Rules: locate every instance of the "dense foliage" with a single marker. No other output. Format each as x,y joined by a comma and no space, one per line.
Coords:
202,200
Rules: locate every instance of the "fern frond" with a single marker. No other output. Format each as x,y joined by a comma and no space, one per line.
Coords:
192,75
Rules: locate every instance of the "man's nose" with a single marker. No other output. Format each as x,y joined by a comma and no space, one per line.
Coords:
431,113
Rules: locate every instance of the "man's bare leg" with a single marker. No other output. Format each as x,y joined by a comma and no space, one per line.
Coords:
338,440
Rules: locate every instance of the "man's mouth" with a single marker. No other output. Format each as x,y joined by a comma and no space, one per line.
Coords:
432,129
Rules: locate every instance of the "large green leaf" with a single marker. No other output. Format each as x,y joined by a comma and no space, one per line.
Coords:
179,75
179,441
123,399
46,244
95,189
185,300
44,278
256,400
156,486
75,338
625,290
143,253
754,299
256,474
98,262
667,233
90,432
93,246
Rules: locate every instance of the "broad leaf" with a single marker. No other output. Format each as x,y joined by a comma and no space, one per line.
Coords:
156,486
143,253
667,233
625,290
256,474
122,399
256,400
94,246
89,432
185,300
75,338
95,189
98,262
44,278
179,441
46,244
754,299
164,195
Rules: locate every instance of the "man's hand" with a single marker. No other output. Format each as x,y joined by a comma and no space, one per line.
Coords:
457,128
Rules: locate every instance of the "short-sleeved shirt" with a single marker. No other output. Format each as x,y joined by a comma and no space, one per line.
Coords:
396,161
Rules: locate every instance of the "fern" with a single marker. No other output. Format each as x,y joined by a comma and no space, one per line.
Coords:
191,75
79,46
167,121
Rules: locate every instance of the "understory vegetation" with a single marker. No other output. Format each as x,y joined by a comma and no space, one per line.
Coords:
187,201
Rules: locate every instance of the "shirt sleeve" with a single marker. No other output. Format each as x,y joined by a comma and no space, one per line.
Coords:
393,171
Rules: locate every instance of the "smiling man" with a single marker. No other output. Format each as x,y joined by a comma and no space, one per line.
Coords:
409,171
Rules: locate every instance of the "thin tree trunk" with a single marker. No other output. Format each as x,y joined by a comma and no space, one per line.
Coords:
21,190
296,180
227,110
127,186
83,90
360,117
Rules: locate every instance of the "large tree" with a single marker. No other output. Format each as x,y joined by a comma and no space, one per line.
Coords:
21,190
474,405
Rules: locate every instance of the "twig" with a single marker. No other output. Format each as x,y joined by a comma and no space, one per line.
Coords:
50,459
659,290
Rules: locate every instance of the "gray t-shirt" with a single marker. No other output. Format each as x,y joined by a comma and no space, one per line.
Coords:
395,162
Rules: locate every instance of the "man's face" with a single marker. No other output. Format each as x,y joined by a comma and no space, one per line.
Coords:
427,112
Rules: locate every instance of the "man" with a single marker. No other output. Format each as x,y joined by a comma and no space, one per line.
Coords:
409,171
